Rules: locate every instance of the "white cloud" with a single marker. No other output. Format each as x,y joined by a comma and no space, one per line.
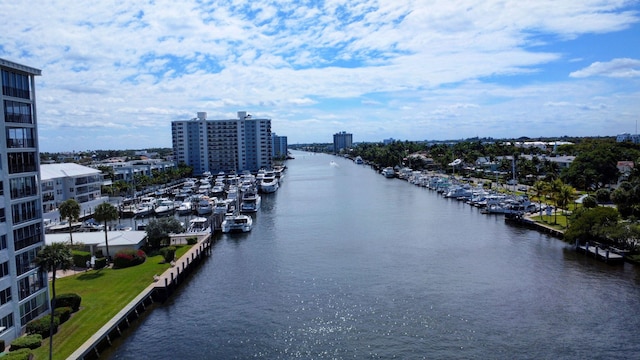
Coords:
616,68
402,69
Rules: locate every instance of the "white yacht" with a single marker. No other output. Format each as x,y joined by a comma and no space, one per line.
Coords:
237,223
165,207
198,225
250,201
388,172
185,208
359,160
204,206
269,185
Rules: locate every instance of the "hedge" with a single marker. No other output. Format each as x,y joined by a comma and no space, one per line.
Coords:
42,325
20,354
32,341
100,263
168,253
63,313
128,257
68,300
80,258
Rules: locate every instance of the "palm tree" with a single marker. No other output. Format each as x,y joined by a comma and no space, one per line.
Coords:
51,258
554,188
70,210
565,195
103,213
540,189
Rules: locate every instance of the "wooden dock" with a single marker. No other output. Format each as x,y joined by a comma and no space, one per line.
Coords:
158,291
600,254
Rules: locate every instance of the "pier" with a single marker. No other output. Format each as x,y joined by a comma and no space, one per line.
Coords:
601,254
161,287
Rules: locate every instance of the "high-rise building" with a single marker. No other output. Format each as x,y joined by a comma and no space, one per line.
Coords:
24,291
279,145
223,145
342,141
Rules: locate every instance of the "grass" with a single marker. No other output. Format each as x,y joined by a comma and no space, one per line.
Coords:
104,293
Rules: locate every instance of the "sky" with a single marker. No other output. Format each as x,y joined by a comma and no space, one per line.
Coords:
115,74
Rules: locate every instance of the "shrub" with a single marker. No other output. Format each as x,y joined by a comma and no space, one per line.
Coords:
20,354
68,300
129,257
100,263
63,313
80,258
41,326
168,253
32,341
192,240
2,345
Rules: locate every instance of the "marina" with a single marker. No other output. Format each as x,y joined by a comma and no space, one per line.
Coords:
344,263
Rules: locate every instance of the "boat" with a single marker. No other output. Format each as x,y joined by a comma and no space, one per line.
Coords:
198,225
250,202
142,210
204,206
358,160
185,208
237,222
221,206
388,172
165,207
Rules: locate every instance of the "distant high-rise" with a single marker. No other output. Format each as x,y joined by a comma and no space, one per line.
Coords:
223,145
279,145
24,293
342,141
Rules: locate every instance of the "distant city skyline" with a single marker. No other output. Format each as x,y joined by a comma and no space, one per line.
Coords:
114,76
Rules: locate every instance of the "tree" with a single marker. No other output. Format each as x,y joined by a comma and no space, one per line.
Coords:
540,189
554,190
103,213
51,258
589,202
588,224
70,211
159,230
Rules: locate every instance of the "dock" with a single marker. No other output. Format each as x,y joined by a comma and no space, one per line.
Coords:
605,255
161,287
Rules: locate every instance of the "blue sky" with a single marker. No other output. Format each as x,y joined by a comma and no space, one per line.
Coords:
116,73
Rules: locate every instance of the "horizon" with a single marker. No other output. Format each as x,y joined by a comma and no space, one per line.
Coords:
116,76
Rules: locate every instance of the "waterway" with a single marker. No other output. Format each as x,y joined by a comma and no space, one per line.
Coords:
344,263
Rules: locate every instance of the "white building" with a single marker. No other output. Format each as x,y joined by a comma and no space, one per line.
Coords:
24,293
223,145
61,182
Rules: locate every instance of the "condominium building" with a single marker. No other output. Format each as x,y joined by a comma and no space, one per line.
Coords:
61,182
279,145
223,145
342,141
24,291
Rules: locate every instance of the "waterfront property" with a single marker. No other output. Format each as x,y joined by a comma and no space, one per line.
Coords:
231,145
24,294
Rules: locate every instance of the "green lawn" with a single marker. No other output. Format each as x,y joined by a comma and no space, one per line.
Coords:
104,293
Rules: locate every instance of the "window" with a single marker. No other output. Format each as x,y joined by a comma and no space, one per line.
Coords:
27,236
21,162
15,84
23,187
17,112
25,262
32,308
5,296
20,137
4,269
3,241
25,211
31,284
6,322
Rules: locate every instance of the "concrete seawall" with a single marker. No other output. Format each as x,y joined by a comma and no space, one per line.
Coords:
158,291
